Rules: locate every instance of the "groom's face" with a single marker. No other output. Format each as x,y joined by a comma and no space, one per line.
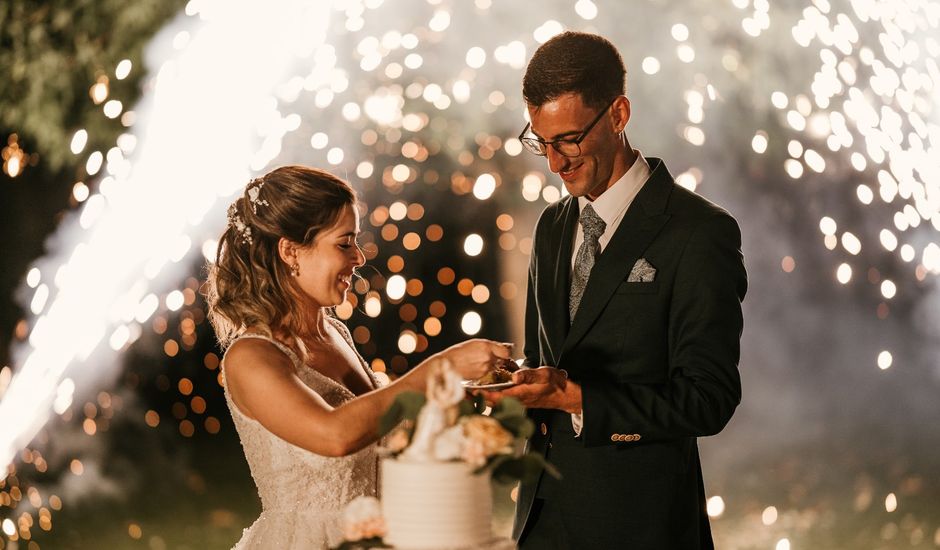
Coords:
566,117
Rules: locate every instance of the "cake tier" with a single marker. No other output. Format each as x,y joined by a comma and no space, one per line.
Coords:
435,504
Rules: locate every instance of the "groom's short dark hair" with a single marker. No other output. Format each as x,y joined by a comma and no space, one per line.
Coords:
575,62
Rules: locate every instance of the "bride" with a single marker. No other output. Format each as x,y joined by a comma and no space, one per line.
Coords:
305,404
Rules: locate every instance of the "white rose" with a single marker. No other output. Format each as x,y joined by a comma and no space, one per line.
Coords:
362,519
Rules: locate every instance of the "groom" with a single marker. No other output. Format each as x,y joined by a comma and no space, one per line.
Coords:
633,321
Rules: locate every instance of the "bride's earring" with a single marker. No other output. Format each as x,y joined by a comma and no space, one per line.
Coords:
295,270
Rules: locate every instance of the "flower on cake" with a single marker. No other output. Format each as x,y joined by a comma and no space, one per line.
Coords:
362,519
473,439
446,425
363,524
485,438
398,439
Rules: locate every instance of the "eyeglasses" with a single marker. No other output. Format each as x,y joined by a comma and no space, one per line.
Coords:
566,147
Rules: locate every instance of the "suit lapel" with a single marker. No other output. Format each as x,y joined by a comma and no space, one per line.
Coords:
640,225
555,296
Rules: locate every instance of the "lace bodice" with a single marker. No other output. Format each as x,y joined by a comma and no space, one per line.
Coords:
302,493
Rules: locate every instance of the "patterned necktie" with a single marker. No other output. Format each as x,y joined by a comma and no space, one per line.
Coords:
593,227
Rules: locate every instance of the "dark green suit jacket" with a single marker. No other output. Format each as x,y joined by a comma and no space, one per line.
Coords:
657,362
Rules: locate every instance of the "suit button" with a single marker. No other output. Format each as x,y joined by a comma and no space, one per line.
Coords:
636,437
614,437
544,429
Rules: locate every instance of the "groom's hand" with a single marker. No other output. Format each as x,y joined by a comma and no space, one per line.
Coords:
542,388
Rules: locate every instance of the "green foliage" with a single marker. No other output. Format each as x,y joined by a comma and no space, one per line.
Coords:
472,405
511,415
374,542
405,407
466,408
508,407
52,53
479,404
525,468
519,426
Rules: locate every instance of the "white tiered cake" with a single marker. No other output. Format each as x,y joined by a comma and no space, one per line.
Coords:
431,499
437,505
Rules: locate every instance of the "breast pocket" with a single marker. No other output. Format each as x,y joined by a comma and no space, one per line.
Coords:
638,315
638,288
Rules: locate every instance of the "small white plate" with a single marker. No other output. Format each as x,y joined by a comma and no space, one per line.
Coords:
468,384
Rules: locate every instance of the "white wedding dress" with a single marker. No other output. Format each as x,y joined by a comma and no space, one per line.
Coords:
302,493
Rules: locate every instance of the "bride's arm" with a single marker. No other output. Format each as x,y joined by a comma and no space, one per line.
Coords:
262,383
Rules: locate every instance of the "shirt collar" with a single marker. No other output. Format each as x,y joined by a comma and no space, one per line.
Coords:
617,198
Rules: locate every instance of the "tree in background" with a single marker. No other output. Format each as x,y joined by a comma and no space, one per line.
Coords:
58,61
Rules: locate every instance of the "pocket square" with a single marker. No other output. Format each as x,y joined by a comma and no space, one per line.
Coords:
642,272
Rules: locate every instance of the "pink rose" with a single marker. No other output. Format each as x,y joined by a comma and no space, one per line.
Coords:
397,440
362,519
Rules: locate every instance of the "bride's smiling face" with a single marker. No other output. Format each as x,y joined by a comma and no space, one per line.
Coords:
326,267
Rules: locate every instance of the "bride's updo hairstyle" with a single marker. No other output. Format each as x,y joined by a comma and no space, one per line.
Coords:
249,285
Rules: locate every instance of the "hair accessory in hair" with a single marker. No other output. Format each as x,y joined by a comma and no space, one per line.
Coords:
239,224
254,194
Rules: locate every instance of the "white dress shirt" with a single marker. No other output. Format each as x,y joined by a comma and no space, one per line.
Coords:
611,205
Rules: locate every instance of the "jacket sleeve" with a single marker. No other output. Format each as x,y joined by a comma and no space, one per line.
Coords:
705,325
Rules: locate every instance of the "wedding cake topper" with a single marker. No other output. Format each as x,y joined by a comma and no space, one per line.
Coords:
446,425
439,413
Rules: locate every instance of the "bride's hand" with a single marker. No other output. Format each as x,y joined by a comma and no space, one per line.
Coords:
474,358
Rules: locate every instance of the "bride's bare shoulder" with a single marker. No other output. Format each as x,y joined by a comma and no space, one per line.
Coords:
255,370
249,356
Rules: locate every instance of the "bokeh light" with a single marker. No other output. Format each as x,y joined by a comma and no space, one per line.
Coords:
801,115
